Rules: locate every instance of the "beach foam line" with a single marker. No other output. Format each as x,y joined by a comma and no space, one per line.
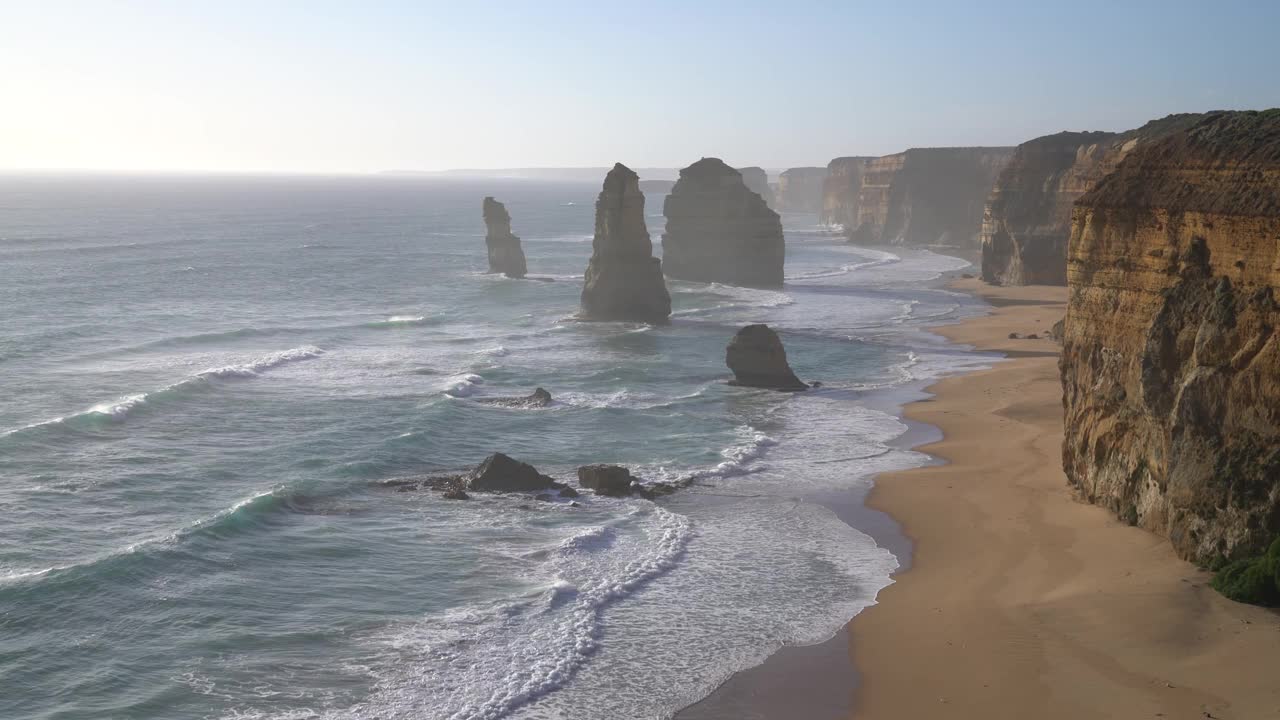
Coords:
484,662
119,409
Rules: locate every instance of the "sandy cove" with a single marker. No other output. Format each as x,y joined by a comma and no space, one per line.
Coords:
1023,602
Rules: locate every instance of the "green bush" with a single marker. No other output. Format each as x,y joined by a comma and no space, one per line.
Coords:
1252,580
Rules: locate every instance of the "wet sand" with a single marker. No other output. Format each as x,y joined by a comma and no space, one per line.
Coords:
1017,601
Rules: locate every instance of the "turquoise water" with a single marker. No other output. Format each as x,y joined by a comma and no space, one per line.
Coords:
206,381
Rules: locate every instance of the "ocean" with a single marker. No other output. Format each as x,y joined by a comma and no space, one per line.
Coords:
206,383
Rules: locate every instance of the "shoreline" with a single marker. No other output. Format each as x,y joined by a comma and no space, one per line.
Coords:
1013,598
1022,601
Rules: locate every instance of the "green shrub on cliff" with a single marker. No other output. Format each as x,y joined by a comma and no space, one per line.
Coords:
1253,580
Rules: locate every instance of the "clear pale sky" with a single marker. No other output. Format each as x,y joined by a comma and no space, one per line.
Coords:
327,86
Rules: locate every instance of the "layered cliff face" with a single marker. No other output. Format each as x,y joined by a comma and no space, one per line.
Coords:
1171,359
840,192
758,180
719,230
926,196
800,189
623,279
505,253
1028,217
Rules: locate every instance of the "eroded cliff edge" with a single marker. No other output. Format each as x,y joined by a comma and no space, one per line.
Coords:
1171,361
1028,217
800,189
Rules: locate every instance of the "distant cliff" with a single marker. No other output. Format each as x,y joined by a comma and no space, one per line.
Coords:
840,192
1171,360
758,181
800,189
927,196
719,230
1028,217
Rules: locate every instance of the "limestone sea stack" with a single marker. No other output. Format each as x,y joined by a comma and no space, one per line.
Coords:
623,280
757,180
719,230
505,254
1028,216
757,359
1171,355
800,189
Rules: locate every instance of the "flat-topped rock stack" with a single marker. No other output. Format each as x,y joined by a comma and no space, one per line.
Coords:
719,230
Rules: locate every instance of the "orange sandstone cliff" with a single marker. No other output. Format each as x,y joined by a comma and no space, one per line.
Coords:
1028,216
1171,357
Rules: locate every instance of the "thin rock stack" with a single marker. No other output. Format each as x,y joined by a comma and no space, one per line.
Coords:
505,254
623,280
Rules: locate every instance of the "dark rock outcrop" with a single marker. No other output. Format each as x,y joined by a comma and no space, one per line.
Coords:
927,196
538,398
800,189
840,192
718,230
505,254
1028,217
757,181
1171,356
757,359
610,480
500,473
623,279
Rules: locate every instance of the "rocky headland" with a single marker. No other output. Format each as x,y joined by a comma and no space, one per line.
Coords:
758,359
719,230
800,189
840,192
1171,361
1028,216
757,180
623,279
505,253
926,196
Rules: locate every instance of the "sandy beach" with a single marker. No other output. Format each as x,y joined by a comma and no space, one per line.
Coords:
1022,602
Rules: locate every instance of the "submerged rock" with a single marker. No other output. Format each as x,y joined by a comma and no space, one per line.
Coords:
500,473
539,398
757,359
505,254
719,230
623,279
610,480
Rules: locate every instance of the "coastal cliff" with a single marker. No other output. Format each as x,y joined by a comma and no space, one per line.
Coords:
840,192
505,254
623,279
1028,216
719,230
1171,363
758,181
926,196
800,189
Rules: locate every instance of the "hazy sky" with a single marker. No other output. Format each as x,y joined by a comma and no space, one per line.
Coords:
364,86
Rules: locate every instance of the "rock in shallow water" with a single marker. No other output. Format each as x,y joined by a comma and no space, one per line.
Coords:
610,480
539,398
500,473
757,359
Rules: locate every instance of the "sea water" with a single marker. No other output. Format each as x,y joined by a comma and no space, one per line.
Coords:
205,383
